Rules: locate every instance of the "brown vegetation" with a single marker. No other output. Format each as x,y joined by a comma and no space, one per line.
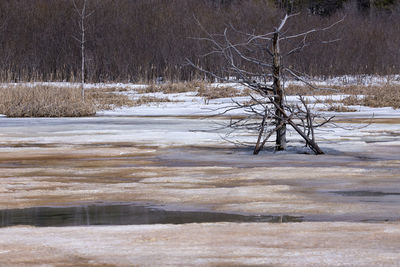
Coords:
307,90
387,95
44,101
108,98
214,92
173,88
203,89
145,39
373,96
51,101
338,108
151,99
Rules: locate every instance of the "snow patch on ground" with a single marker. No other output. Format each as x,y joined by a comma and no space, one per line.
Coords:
222,244
70,84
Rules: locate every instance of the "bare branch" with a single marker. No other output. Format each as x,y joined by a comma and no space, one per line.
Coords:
313,30
268,113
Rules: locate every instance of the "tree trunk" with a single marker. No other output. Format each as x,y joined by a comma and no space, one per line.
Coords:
83,14
280,143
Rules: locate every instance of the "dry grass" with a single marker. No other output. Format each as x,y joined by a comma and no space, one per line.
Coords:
306,90
202,88
352,100
210,92
374,96
51,101
173,88
44,101
107,99
365,90
339,108
329,101
382,101
151,99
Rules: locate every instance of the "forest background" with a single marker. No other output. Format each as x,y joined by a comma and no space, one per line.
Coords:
142,40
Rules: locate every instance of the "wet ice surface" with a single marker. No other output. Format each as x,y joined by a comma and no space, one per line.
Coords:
102,129
43,158
347,201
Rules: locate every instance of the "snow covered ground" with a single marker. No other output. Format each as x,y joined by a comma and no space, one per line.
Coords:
218,244
344,80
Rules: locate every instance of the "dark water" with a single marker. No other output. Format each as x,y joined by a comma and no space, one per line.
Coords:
361,193
122,214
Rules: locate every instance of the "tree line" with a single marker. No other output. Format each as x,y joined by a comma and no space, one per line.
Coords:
141,40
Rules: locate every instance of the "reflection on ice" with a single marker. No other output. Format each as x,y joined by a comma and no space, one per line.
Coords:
123,214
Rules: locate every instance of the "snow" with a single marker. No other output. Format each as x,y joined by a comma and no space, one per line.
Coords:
161,126
344,80
188,104
300,244
69,84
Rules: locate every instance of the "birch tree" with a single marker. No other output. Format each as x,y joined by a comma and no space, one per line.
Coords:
83,14
257,61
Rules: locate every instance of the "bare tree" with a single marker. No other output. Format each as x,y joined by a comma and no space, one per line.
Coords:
83,14
257,61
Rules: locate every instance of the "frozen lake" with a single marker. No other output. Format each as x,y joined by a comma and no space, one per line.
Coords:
74,151
183,165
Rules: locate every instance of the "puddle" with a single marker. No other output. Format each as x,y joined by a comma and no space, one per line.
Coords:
364,193
378,197
122,214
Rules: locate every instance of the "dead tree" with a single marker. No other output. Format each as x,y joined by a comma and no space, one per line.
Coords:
257,61
83,14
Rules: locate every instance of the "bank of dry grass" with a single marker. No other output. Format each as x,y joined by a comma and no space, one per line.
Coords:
44,101
51,101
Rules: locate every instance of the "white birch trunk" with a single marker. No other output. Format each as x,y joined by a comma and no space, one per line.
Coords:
83,14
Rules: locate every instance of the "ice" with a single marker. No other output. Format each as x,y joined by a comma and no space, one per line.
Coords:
174,153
